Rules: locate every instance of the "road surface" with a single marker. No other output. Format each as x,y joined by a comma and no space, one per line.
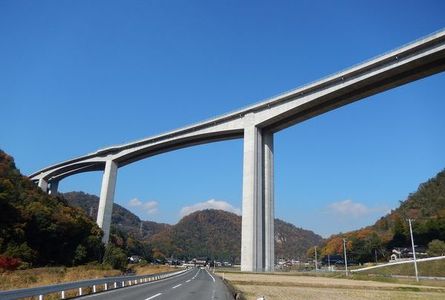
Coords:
195,284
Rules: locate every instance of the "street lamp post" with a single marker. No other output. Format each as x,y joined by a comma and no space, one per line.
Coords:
346,258
316,265
414,250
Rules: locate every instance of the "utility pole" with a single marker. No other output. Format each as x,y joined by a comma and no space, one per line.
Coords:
316,265
414,250
329,263
346,259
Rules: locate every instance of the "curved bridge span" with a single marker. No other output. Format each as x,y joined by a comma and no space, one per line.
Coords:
256,125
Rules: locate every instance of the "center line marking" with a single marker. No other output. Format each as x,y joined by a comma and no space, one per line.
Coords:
177,286
154,296
210,275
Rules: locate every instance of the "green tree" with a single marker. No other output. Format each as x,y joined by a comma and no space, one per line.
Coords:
310,253
22,251
80,255
400,237
436,248
115,257
137,247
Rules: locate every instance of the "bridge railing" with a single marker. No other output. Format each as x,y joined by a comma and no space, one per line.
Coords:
80,287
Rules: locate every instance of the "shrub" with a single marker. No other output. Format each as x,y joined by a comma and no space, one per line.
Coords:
9,263
80,255
436,248
115,257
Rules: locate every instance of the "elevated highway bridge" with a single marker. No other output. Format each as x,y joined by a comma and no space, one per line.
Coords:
257,124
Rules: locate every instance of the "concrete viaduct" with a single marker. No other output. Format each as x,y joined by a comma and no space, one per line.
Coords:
256,125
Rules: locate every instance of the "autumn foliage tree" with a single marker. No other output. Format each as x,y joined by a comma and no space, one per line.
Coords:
9,263
426,206
40,229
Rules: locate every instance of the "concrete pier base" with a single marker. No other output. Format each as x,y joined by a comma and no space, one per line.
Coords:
107,199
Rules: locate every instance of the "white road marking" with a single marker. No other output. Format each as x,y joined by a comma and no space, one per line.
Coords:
177,286
199,270
154,296
188,280
210,275
133,286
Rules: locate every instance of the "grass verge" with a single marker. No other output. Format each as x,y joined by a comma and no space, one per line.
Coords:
52,275
283,287
435,268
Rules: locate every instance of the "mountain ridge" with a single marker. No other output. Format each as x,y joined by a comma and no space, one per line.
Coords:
121,217
212,233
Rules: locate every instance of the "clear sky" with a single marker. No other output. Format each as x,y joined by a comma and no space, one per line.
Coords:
76,76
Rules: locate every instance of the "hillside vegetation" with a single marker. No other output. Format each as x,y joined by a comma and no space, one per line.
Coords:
40,229
121,218
209,233
217,234
37,229
292,242
426,206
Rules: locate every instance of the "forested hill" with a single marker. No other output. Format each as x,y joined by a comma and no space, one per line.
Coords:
212,233
121,218
217,233
206,233
426,206
428,201
292,242
40,229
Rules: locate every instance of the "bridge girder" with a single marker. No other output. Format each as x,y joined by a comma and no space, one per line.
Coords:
256,124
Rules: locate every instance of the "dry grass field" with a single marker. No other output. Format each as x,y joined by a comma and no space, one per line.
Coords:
287,287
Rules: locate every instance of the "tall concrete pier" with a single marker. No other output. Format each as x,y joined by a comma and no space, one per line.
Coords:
107,198
257,248
256,125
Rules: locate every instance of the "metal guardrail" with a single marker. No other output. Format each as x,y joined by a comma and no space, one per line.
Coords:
108,284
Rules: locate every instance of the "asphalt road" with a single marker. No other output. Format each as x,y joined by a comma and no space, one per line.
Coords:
196,284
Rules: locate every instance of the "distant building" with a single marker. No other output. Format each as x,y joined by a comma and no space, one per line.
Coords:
199,262
331,260
406,253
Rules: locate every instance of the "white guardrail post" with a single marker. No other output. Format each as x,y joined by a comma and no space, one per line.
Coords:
61,288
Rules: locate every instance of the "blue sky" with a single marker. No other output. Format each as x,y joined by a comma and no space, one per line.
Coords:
76,76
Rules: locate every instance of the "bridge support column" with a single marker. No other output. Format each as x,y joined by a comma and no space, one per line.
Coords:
107,199
269,204
43,184
53,187
257,236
